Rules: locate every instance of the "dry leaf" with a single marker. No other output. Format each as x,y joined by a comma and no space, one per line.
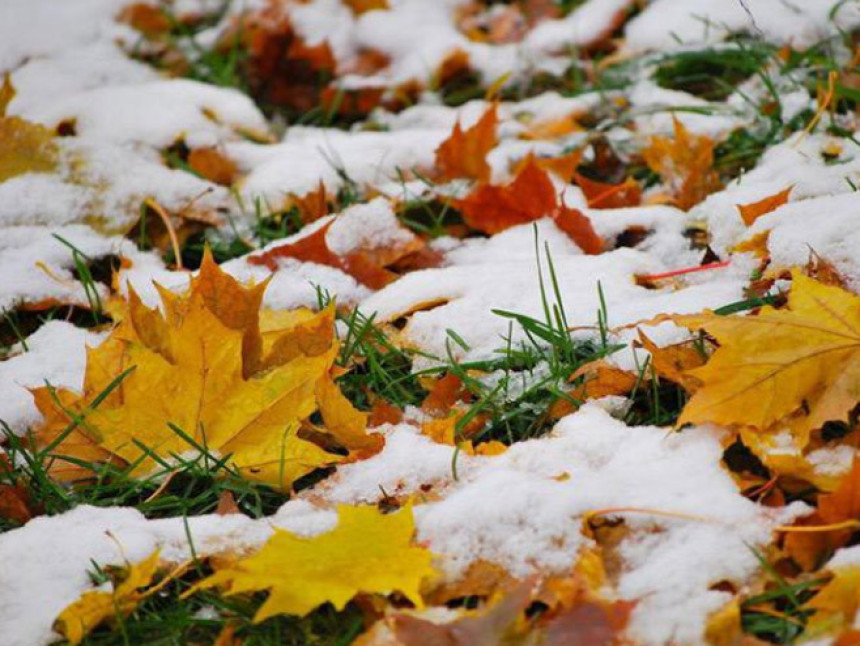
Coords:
674,361
368,552
564,166
754,210
810,549
78,619
464,152
205,368
313,205
685,163
771,365
598,379
25,147
836,605
361,6
491,626
367,266
211,164
609,196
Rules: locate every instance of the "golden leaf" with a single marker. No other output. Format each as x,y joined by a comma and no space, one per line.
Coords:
79,618
771,365
204,376
25,147
836,604
367,552
685,163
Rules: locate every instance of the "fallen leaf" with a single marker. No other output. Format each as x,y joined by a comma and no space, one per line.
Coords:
674,362
563,166
502,620
723,627
211,164
601,195
15,503
836,604
578,228
368,552
754,210
444,393
146,18
685,163
367,266
313,205
362,6
7,93
811,549
78,619
596,379
204,370
778,362
552,128
25,147
464,152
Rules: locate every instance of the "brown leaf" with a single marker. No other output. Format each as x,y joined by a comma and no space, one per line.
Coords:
464,152
488,627
312,205
754,210
563,166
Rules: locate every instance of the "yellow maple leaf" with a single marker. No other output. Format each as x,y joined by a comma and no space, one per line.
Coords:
79,618
836,605
685,164
367,552
207,373
781,362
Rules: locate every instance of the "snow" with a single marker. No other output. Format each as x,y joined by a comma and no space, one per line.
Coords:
70,63
666,23
56,354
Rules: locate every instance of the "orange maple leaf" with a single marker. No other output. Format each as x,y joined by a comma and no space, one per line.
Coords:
754,210
601,195
367,266
563,166
213,165
464,152
811,549
529,197
685,163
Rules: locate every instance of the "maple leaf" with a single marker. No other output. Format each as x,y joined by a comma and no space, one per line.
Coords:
312,205
367,552
501,621
597,379
601,195
211,164
674,362
530,196
204,370
464,152
367,266
836,605
362,6
685,163
754,210
25,147
79,618
564,166
774,364
809,549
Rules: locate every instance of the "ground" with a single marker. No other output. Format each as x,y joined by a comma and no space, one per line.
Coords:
419,322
